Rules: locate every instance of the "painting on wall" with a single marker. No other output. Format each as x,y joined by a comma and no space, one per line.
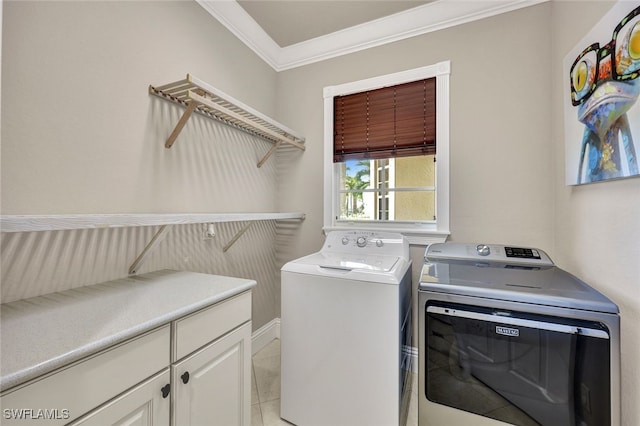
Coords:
602,110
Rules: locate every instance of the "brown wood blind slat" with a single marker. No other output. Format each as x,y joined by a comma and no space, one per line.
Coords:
395,121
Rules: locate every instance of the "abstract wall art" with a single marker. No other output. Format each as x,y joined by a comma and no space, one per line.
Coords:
601,91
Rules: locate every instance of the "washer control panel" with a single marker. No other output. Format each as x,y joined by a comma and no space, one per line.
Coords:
360,239
367,242
488,253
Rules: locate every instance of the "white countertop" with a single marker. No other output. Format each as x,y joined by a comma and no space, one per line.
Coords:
41,334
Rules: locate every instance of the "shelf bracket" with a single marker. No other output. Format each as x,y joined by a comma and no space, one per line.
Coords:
269,153
157,238
183,120
235,238
191,107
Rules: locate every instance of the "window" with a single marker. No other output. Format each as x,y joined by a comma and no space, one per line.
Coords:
388,189
384,169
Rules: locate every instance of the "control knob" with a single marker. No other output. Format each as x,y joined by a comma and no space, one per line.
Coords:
345,241
379,243
361,241
483,250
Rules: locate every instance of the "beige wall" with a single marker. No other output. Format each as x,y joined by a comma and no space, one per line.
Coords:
80,134
410,172
597,226
507,153
500,121
501,164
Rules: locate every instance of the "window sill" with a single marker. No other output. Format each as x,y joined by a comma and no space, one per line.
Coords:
416,235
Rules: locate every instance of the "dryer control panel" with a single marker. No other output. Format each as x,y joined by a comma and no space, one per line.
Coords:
488,253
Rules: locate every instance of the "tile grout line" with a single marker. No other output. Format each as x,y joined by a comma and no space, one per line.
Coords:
412,417
255,380
265,406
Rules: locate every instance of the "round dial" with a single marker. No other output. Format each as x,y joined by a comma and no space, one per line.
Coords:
379,243
483,250
345,241
361,241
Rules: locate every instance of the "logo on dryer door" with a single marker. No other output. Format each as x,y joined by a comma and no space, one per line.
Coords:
506,331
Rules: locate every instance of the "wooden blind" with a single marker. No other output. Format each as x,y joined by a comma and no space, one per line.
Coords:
395,121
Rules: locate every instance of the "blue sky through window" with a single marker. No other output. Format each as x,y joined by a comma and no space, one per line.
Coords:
355,166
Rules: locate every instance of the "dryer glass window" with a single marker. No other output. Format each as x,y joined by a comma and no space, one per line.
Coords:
522,369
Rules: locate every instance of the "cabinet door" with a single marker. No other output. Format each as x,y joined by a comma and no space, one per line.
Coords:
147,404
92,382
213,385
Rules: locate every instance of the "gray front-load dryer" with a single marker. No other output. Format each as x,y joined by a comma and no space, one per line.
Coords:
507,337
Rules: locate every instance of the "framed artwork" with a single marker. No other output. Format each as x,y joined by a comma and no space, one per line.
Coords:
601,108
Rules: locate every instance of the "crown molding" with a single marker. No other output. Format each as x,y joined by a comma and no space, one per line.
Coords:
429,17
242,25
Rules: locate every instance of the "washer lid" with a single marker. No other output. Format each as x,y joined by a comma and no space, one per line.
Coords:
349,262
346,266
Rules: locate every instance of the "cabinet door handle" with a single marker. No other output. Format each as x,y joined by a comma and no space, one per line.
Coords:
165,390
185,377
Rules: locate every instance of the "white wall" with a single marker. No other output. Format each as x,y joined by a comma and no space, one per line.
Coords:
597,226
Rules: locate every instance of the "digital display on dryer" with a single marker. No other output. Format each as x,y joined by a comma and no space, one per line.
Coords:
524,253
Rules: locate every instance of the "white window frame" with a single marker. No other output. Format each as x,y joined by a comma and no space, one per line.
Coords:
421,233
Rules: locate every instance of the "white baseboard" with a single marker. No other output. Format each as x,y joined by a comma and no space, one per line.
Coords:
264,335
271,331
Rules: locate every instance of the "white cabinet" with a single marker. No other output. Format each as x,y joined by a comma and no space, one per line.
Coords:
69,392
144,405
213,385
211,370
197,330
194,370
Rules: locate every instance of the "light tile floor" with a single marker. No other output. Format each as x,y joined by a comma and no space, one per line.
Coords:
265,389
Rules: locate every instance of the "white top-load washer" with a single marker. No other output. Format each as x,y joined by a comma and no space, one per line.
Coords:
346,317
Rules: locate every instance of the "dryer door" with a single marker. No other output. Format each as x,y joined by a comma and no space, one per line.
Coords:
519,368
